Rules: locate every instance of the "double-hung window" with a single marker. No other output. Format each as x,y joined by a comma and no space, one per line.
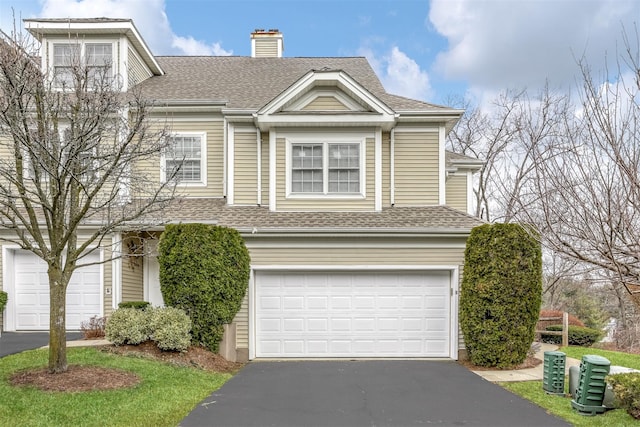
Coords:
326,168
185,157
65,55
96,57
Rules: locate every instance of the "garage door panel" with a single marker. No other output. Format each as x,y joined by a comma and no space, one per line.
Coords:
31,289
354,314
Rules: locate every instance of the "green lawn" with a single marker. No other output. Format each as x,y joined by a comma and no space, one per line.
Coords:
615,357
164,396
561,406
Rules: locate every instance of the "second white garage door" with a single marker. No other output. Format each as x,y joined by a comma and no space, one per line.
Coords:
352,314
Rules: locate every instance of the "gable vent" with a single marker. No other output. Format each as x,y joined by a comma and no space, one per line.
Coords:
267,43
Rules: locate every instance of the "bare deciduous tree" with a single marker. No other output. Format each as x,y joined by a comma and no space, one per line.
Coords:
507,138
586,189
69,145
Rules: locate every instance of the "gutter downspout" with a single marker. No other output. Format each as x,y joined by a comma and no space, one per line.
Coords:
392,168
224,158
259,180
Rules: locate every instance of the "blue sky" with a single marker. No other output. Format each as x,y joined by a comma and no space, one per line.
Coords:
428,50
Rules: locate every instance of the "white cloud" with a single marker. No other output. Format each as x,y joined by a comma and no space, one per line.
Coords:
399,74
191,46
148,15
500,44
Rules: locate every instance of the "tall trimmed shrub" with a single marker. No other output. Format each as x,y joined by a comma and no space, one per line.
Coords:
204,270
500,294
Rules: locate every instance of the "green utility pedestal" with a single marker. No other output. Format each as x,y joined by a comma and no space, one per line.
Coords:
591,385
553,373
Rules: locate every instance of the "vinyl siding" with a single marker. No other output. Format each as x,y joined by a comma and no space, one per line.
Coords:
137,70
266,48
107,276
242,324
457,192
213,127
324,203
380,252
132,279
245,168
386,170
416,168
325,103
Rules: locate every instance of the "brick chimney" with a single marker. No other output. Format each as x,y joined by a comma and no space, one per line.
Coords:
267,43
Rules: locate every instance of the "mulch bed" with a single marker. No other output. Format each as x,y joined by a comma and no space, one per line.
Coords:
76,379
81,378
195,356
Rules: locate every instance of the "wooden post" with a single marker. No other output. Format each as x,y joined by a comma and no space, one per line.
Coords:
565,329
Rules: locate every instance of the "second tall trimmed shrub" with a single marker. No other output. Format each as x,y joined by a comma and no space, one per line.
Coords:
500,294
204,270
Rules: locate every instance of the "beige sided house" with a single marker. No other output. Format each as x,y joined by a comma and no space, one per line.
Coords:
354,214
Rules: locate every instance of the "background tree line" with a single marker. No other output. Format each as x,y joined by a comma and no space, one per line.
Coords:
568,163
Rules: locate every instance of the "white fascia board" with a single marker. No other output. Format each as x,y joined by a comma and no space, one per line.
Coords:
449,116
308,232
340,78
472,165
323,120
40,28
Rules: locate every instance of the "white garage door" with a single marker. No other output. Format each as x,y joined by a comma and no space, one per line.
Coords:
353,314
32,293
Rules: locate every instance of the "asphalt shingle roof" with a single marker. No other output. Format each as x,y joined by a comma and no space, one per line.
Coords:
250,83
430,219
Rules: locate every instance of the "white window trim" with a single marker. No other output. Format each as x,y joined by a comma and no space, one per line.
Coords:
325,141
115,66
203,161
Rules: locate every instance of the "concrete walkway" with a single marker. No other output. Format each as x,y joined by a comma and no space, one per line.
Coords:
531,374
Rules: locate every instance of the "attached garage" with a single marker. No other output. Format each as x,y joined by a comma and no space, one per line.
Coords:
386,313
29,292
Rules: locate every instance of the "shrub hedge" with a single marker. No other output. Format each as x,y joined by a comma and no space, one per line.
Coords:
3,300
500,294
204,270
626,389
127,326
168,327
140,305
578,335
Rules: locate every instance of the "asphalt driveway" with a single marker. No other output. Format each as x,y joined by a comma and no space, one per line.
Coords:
364,393
16,342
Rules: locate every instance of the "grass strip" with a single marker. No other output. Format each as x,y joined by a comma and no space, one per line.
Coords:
165,395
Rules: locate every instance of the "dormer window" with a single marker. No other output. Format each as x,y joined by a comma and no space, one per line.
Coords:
97,57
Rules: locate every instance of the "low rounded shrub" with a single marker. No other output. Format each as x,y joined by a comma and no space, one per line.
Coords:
127,326
170,328
3,300
140,305
579,336
626,389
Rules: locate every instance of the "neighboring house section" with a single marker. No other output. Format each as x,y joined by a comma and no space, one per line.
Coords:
355,215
